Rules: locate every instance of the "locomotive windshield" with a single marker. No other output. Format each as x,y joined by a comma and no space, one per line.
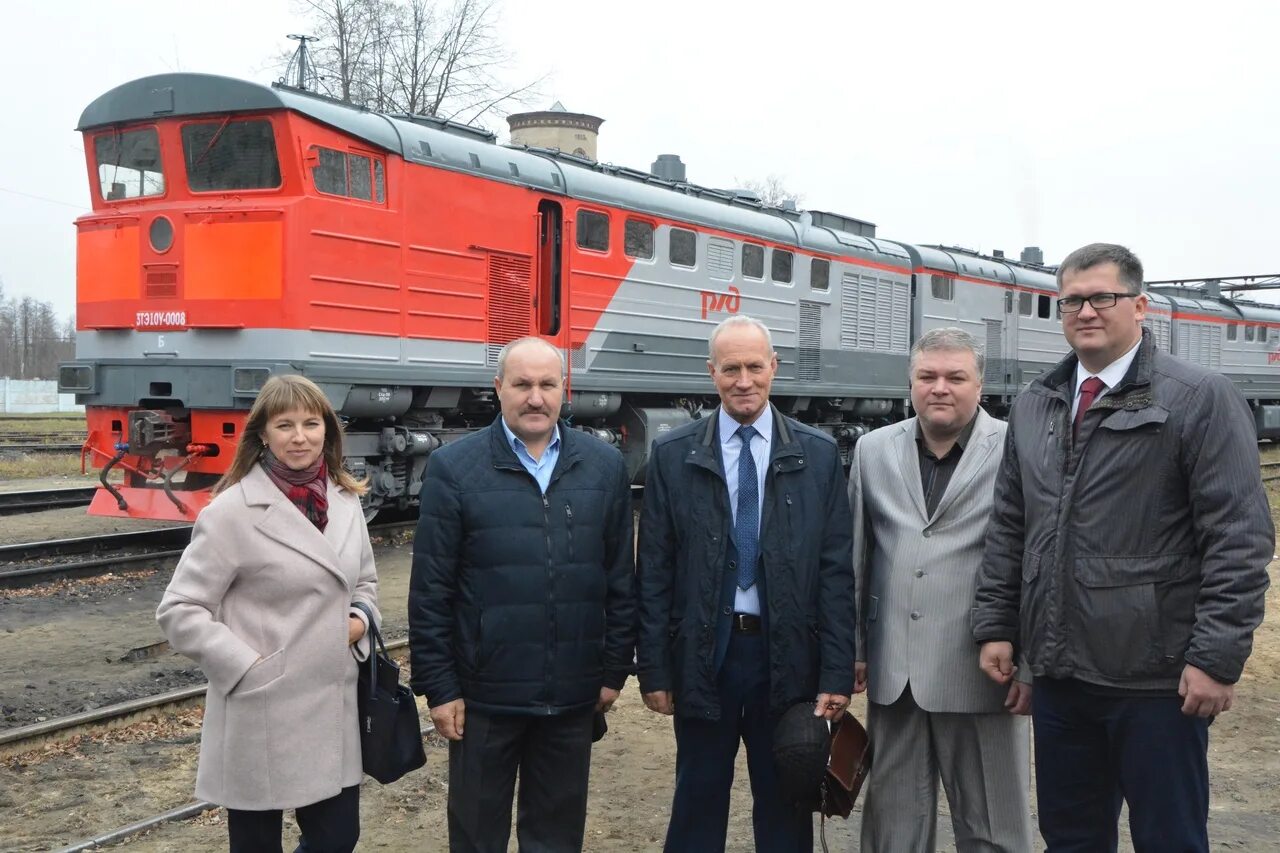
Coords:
230,155
128,163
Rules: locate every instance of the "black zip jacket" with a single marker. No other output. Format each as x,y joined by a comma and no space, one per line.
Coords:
1140,547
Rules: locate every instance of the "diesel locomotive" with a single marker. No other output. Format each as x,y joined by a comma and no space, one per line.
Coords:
240,230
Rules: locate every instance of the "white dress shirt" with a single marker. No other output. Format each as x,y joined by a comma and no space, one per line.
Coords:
746,600
1110,375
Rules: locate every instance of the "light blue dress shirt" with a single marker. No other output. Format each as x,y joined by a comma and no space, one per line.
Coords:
745,600
540,468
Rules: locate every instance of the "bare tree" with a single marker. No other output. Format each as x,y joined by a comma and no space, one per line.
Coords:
32,340
773,192
8,336
25,317
414,56
341,54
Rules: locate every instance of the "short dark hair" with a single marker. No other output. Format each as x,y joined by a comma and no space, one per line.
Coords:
1087,257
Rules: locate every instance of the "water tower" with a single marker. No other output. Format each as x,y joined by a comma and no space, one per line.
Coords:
572,133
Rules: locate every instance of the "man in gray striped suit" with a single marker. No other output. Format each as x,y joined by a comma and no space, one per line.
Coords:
921,493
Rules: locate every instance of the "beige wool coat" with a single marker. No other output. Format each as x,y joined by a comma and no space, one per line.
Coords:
259,581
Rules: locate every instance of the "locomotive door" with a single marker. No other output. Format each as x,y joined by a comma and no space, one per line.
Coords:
549,300
1009,356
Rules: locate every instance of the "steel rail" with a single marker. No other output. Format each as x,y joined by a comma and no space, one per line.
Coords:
19,552
12,503
37,437
159,544
30,575
63,725
41,448
126,832
41,731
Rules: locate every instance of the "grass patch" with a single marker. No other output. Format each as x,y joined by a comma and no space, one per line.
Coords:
30,466
37,425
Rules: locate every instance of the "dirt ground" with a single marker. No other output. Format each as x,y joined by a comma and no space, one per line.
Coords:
67,645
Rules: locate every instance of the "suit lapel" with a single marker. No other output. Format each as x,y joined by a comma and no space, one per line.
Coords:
284,524
981,442
909,464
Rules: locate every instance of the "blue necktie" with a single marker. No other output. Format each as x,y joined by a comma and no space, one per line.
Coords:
747,524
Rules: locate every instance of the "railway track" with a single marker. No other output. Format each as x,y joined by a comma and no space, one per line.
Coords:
41,437
29,447
26,560
28,563
25,738
12,503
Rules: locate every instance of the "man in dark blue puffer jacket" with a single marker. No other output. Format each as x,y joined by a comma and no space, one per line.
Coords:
521,608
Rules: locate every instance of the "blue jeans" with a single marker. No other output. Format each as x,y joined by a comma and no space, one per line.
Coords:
1095,750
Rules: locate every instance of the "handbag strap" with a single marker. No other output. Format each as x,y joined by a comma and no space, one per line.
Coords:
375,645
374,634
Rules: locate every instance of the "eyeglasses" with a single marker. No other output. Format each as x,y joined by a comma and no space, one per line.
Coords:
1072,304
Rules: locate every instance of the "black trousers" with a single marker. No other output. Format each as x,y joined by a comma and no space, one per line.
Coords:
1094,751
329,826
553,756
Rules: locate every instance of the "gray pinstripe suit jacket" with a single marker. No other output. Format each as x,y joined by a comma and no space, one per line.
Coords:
916,575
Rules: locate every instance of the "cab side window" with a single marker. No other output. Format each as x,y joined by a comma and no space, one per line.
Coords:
348,174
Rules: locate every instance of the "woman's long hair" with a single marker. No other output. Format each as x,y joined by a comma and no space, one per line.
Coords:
282,394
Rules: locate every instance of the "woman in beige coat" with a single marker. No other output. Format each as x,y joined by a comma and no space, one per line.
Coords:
263,600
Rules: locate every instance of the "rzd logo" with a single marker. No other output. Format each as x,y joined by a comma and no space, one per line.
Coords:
728,302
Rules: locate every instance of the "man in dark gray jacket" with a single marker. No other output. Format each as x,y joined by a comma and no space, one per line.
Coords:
1127,561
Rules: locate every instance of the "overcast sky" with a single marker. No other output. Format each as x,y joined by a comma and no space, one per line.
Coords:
992,125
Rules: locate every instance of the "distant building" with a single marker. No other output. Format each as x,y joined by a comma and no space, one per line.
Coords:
572,133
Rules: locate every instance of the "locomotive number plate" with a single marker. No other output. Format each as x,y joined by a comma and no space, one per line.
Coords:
160,320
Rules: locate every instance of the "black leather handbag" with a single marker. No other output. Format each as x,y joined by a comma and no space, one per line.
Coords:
390,734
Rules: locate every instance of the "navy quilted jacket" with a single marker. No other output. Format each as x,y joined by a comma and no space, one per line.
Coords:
522,603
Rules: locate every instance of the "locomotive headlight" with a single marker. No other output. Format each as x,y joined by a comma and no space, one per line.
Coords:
249,380
75,377
161,234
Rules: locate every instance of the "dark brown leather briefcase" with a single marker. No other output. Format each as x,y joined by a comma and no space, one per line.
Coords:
847,770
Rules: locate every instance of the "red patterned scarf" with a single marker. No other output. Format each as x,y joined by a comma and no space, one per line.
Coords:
307,489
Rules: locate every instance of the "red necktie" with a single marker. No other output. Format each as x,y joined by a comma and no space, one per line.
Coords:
1089,391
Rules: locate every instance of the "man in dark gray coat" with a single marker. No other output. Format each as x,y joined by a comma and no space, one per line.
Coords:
1127,561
